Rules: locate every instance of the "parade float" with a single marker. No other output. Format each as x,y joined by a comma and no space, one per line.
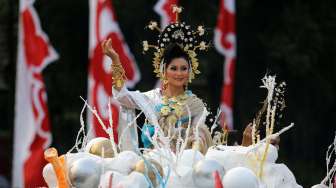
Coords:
100,162
191,154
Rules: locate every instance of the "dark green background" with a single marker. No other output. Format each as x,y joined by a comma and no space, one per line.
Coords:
294,39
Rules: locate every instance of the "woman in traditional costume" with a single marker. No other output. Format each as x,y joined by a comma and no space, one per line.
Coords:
177,112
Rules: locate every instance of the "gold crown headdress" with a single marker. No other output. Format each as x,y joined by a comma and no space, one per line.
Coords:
181,34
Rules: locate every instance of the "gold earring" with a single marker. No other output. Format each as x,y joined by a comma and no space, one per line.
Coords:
164,83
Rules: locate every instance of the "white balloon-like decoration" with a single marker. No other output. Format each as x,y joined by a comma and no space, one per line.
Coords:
240,177
190,157
203,172
234,164
85,172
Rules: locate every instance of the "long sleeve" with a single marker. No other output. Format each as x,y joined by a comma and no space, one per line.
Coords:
137,100
124,98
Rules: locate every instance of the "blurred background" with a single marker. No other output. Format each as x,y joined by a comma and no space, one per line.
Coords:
294,39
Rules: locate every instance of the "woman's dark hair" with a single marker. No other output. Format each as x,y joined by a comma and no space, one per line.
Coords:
174,51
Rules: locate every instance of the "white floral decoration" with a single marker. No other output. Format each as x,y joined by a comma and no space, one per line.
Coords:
202,45
145,45
200,30
152,25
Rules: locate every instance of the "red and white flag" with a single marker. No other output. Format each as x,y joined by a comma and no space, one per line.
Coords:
225,42
165,9
103,25
32,129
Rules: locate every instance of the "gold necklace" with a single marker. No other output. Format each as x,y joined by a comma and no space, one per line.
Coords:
173,104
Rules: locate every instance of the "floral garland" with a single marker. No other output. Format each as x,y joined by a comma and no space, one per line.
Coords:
172,108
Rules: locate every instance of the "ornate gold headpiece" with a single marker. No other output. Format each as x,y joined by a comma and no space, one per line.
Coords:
181,34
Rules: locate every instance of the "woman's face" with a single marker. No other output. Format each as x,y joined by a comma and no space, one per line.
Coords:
177,72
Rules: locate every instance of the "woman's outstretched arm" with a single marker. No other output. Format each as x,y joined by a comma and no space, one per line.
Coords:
118,72
119,90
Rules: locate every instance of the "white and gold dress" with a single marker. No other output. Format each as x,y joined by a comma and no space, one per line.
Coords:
172,115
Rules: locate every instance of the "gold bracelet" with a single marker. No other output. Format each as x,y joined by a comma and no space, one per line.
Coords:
118,75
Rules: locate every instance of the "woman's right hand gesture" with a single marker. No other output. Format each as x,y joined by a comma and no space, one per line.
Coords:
118,72
109,51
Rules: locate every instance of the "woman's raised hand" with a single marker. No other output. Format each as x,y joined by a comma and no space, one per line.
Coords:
118,72
109,51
